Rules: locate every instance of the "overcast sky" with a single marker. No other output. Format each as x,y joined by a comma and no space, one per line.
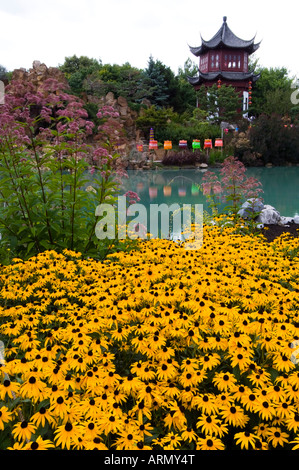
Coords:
119,31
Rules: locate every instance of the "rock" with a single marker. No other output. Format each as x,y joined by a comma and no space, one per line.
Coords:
250,207
123,110
122,102
286,220
269,215
109,99
203,165
296,219
38,74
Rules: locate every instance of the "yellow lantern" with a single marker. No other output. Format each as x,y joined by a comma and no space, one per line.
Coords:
167,190
167,144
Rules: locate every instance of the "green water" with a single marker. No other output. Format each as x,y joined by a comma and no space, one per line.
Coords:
280,186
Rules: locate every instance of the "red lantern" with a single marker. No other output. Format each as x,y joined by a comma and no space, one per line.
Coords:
208,144
218,143
219,83
153,192
153,144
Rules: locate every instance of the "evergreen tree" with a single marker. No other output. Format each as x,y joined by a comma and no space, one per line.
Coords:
156,83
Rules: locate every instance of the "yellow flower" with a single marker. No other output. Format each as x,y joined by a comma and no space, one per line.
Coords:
67,434
245,439
276,437
23,430
224,381
39,444
209,443
5,416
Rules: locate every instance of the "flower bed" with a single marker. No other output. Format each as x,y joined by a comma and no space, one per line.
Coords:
158,348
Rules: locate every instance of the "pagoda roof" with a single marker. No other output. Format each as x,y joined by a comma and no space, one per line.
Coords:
225,38
230,76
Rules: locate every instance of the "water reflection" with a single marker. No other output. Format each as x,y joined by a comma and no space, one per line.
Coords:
280,185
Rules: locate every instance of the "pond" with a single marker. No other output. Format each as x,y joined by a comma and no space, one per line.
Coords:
280,186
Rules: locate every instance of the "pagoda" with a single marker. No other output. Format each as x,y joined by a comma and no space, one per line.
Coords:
223,60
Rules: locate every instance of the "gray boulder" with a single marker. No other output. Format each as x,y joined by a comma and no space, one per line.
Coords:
269,215
251,207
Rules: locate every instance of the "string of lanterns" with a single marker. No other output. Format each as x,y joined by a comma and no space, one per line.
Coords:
183,144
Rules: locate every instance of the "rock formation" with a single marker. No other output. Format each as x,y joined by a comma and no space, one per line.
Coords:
38,74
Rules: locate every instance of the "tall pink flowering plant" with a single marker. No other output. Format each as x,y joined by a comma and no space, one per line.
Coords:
231,186
44,170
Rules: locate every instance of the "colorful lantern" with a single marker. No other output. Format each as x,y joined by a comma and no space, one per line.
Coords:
152,134
182,192
167,190
153,192
183,144
139,147
139,186
219,83
153,144
218,143
208,144
195,144
194,189
167,145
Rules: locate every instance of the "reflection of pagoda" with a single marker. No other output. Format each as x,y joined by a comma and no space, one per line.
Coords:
223,60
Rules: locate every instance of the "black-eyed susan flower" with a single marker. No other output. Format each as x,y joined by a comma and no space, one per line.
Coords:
234,415
95,444
224,381
39,444
206,402
208,424
209,443
245,439
292,422
264,408
171,441
23,430
43,416
127,440
9,389
5,417
189,435
67,434
276,437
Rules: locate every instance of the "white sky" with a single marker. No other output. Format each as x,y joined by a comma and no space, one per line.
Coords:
119,31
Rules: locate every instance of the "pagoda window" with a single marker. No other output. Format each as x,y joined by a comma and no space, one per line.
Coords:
239,62
212,61
245,64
